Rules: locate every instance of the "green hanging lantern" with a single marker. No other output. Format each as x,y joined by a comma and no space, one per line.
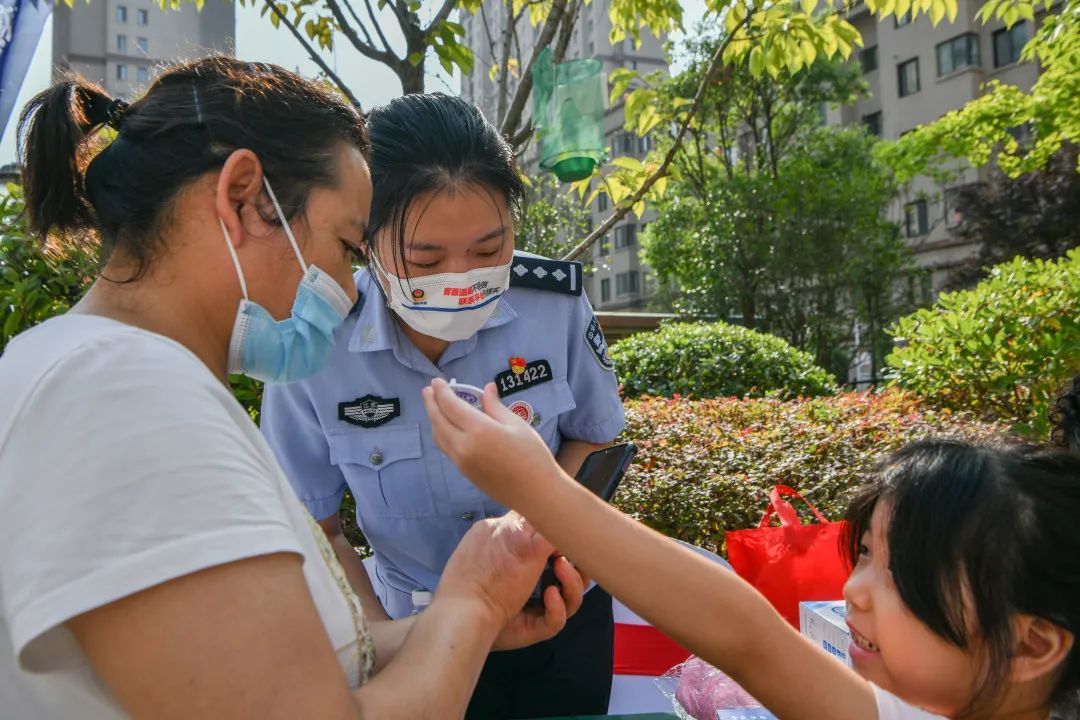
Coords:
568,110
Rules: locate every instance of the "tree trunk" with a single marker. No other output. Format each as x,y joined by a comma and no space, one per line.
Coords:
412,77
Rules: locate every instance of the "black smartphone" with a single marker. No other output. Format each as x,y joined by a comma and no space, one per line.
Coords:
601,472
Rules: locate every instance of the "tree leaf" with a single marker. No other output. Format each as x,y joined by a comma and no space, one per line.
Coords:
629,163
757,61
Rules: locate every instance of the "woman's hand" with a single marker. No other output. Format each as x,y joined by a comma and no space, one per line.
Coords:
533,625
498,563
495,449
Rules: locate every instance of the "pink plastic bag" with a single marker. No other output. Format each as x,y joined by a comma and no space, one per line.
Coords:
701,692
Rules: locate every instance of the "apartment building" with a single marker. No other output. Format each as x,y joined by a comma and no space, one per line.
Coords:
917,73
120,44
619,280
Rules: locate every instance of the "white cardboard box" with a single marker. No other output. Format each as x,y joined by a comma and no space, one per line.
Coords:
824,623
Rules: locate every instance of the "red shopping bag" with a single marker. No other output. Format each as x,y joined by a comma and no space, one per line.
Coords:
793,562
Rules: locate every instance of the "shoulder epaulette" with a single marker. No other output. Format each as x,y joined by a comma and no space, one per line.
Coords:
559,276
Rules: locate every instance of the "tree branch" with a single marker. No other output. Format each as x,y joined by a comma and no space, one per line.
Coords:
443,14
504,60
359,23
699,97
378,27
512,120
313,54
566,29
350,32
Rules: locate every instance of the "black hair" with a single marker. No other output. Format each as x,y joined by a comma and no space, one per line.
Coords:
1065,417
81,182
996,521
433,142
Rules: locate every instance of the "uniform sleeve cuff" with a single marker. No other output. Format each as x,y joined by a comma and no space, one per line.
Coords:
324,507
597,433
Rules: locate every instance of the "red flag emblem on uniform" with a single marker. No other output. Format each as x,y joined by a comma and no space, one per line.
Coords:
518,365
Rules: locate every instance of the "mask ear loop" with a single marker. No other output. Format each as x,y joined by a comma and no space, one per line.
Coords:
235,259
285,224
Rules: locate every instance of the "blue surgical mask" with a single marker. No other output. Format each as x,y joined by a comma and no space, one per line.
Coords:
278,351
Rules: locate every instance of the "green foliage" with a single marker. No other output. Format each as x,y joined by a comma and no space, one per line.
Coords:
706,360
551,220
792,241
1000,349
985,129
706,466
35,284
1035,215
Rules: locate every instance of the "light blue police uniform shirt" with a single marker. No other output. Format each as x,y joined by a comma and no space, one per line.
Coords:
412,503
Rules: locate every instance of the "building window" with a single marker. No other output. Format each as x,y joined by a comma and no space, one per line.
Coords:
121,13
957,54
916,222
628,143
902,20
121,72
626,283
625,236
142,73
1008,43
952,213
605,290
601,202
908,77
644,144
604,248
142,17
873,123
143,44
121,43
868,59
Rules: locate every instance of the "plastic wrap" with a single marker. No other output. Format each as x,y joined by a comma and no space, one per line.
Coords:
698,691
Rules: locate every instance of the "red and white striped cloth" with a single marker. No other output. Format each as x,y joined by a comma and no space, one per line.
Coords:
643,653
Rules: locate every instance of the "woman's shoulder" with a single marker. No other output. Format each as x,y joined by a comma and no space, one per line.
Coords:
78,364
88,344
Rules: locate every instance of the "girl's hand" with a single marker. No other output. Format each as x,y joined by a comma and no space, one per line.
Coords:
495,449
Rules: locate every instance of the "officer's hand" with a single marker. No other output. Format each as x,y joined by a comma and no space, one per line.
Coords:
495,449
496,566
533,625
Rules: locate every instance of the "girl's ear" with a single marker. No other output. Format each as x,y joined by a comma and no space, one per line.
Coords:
1041,647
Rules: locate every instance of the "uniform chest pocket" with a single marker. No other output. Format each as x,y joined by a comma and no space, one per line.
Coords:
542,405
385,469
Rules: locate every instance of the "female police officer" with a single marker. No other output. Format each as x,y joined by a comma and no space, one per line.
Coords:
444,295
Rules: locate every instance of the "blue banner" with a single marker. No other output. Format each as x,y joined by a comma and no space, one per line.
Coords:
21,23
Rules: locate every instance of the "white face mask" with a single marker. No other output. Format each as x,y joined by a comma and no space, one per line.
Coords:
447,306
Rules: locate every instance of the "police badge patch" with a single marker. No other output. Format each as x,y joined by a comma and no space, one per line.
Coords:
369,411
594,338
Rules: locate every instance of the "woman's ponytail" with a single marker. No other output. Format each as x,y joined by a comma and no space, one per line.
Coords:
56,129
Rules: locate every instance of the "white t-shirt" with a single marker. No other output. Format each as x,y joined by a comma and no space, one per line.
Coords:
890,707
125,463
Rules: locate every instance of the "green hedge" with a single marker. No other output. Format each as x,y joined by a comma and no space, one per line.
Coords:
708,360
1000,349
706,466
35,284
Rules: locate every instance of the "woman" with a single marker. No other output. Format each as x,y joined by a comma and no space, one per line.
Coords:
444,295
153,559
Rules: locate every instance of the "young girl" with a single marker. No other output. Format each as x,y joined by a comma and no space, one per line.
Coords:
964,599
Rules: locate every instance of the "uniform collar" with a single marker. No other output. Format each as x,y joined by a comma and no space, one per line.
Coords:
376,327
